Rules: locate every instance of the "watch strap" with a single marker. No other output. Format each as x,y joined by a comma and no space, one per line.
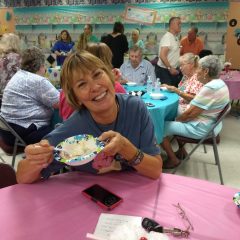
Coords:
137,158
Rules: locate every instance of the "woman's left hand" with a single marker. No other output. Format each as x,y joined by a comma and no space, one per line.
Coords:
116,143
150,166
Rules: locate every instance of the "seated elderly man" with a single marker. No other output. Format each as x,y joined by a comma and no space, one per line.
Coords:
136,69
204,109
29,99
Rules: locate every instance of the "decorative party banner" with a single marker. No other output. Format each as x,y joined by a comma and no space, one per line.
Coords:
140,15
108,14
39,3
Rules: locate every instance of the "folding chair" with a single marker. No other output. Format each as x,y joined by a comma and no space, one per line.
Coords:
7,175
209,139
18,146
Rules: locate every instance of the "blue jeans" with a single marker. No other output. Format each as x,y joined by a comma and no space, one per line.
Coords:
166,77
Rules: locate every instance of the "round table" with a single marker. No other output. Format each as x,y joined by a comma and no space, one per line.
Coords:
163,110
232,80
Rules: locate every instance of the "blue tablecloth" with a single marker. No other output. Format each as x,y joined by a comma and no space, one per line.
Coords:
164,110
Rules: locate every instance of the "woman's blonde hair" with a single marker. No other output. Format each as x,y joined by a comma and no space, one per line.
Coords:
82,42
190,58
82,62
102,51
10,42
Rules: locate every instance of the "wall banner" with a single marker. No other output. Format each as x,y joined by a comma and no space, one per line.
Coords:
108,14
140,15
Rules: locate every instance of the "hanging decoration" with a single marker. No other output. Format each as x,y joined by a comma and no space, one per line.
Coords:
8,16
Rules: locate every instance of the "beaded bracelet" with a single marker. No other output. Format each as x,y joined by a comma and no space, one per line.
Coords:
137,159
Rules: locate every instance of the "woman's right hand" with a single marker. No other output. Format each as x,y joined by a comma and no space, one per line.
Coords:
39,154
172,88
174,71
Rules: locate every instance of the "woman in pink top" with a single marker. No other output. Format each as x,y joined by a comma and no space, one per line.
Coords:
189,86
102,51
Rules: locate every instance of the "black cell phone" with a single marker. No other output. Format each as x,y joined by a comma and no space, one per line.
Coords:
104,198
148,104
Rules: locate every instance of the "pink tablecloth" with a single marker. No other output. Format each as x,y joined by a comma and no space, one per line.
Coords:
233,83
55,209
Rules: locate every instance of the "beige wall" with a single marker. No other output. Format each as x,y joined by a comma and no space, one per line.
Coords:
232,46
6,26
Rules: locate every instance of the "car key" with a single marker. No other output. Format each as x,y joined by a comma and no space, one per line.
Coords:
151,225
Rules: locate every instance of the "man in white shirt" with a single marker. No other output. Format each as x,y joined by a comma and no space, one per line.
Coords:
169,53
137,69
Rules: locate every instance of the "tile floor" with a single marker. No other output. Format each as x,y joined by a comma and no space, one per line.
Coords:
201,165
198,166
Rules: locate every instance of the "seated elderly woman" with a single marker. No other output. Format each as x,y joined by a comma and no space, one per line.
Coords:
203,111
121,120
189,86
29,99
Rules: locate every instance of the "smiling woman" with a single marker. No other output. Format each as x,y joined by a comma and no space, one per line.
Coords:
87,86
122,121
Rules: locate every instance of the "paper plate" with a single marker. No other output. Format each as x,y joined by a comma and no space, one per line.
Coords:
131,84
83,149
157,96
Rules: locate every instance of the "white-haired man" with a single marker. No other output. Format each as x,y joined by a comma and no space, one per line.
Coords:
137,69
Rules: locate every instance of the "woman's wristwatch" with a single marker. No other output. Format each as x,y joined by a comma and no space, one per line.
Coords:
137,159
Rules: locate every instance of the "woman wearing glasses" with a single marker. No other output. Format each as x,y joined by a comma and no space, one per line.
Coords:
189,85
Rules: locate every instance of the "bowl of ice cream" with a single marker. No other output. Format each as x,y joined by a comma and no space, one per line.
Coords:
78,150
